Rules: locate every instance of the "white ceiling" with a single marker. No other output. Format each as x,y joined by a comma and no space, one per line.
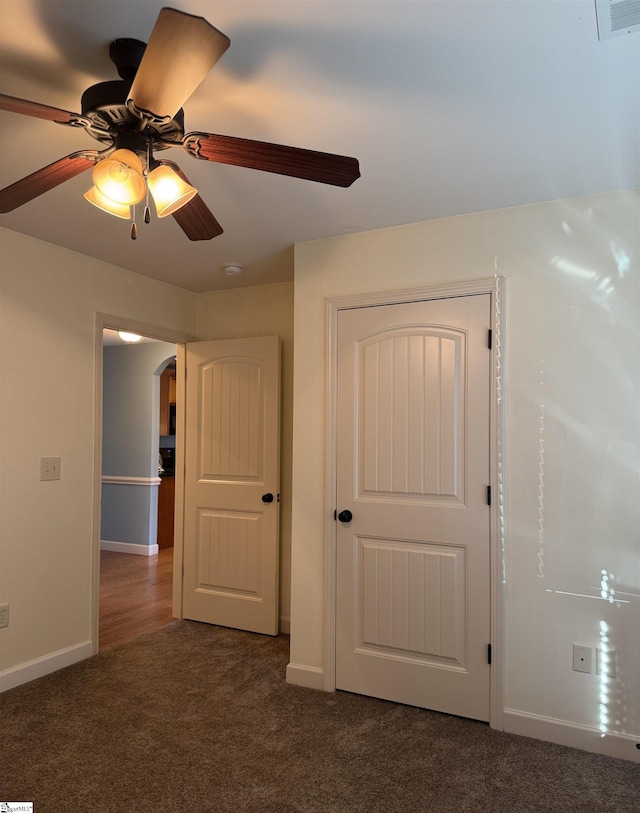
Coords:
451,107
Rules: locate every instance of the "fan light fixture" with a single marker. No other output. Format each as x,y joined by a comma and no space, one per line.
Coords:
121,182
169,191
120,178
95,196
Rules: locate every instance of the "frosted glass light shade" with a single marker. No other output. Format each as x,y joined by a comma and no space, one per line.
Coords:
119,177
169,191
95,196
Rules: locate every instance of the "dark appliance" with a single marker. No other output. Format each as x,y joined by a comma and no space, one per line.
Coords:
168,456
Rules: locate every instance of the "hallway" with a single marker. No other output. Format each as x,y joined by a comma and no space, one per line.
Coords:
135,595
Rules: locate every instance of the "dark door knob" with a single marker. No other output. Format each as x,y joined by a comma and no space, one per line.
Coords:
345,516
268,497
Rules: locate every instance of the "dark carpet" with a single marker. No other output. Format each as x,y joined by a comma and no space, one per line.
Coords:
198,718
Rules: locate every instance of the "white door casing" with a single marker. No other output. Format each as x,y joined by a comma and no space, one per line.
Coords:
231,544
421,524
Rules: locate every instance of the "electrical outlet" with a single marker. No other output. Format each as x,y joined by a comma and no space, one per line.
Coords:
582,658
4,615
606,662
49,468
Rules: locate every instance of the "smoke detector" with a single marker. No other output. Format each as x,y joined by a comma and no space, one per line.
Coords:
233,269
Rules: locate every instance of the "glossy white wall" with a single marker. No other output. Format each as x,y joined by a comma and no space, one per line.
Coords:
572,441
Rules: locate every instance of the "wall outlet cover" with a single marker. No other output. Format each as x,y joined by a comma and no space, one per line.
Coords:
582,658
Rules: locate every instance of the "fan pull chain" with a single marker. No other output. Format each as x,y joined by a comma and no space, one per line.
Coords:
147,213
134,227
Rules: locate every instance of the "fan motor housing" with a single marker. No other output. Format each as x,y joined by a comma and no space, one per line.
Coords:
126,54
105,104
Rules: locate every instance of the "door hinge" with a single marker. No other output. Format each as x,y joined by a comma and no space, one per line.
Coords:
335,515
489,654
488,495
490,339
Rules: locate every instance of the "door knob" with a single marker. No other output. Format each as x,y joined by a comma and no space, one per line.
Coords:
268,497
345,516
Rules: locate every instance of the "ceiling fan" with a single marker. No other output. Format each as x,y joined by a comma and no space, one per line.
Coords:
141,115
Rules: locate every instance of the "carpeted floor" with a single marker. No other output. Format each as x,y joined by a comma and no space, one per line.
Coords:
198,718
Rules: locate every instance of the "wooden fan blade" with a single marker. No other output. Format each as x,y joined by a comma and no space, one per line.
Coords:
39,111
182,50
195,218
41,181
323,167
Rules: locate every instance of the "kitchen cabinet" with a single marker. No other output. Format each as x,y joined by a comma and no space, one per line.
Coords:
166,511
167,399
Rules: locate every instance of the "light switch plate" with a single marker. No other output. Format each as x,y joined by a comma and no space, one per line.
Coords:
49,468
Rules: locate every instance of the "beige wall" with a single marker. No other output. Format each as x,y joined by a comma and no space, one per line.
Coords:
48,302
265,310
572,447
572,444
49,298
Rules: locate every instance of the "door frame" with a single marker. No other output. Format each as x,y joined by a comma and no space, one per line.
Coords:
102,321
495,287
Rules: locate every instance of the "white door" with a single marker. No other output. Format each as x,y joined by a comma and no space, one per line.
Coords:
413,577
231,550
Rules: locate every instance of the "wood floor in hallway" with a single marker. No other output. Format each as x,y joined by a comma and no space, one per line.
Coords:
135,595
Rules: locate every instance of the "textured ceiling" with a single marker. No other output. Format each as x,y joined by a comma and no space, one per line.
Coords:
451,107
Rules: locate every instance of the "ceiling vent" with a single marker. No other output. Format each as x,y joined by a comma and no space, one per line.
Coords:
617,17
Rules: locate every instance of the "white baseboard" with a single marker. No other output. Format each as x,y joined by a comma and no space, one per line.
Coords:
312,677
284,625
129,547
586,738
39,667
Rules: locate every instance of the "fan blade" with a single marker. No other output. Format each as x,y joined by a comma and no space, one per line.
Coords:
324,167
182,50
195,219
43,180
39,111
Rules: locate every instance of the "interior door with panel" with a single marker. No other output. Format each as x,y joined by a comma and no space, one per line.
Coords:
231,543
413,533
